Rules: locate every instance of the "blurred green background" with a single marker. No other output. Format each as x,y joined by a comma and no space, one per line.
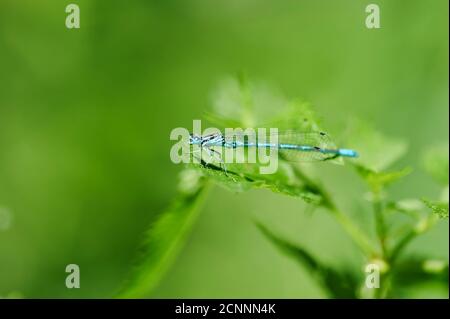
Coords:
85,117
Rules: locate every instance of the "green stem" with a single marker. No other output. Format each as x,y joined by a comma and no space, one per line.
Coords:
401,245
361,240
355,233
423,226
386,280
380,224
381,231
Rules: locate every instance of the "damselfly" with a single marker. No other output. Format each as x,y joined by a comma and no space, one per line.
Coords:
290,145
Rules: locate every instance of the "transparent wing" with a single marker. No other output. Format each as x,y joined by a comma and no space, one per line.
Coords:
309,156
291,145
283,137
312,147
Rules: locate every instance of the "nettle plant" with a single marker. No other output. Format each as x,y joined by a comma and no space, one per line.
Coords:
241,104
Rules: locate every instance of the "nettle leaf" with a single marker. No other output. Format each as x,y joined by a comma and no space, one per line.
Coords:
436,163
438,208
338,283
299,116
240,103
244,177
377,181
376,151
165,237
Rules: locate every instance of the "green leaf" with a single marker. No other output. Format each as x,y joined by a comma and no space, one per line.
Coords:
244,178
438,208
298,116
377,152
165,237
377,181
242,103
436,163
338,283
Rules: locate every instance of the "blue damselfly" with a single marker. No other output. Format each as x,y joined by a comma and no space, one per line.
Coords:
290,145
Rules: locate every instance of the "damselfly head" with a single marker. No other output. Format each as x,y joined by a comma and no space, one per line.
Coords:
195,139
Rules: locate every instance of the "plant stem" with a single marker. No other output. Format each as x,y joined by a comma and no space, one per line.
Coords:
381,231
361,240
354,232
427,223
401,245
380,224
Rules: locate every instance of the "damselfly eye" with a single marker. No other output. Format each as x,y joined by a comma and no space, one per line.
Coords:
194,138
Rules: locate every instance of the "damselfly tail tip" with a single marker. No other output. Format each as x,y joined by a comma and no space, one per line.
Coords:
348,153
